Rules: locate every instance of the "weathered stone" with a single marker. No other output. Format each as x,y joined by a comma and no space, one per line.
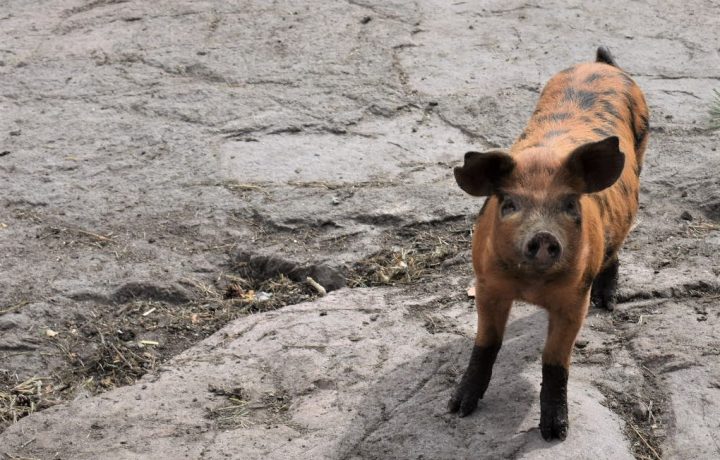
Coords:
346,391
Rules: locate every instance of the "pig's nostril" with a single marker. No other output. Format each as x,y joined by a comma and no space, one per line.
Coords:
554,250
533,247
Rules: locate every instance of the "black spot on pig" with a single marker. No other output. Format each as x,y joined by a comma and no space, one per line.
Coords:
602,132
585,99
558,116
593,77
610,109
641,131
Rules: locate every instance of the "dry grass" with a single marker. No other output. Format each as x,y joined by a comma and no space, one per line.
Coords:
12,308
71,236
231,416
116,350
235,414
239,412
113,348
700,228
24,398
276,403
420,255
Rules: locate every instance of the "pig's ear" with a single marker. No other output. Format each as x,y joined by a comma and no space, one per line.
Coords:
595,166
482,173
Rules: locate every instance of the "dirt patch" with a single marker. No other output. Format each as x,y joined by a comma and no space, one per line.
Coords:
645,414
18,400
112,347
239,410
644,406
235,413
414,253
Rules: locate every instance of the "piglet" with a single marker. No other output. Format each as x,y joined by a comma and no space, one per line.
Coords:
559,205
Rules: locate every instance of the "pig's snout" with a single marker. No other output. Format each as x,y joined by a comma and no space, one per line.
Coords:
542,249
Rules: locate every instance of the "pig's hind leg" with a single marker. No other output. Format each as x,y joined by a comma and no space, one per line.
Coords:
604,287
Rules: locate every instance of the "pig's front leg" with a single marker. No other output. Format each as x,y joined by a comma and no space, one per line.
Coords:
563,327
492,317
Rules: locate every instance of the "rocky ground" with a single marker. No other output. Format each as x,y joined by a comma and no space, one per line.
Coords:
173,171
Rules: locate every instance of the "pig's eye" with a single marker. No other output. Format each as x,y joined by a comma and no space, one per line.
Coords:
508,206
570,206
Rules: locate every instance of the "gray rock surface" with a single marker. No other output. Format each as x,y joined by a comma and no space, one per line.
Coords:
149,148
351,392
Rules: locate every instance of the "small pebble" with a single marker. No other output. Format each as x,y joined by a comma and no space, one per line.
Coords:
686,216
365,20
640,411
581,343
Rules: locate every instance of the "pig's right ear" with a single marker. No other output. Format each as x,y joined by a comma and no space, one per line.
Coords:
595,166
483,172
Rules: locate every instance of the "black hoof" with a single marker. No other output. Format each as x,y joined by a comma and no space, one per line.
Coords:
553,403
606,303
464,401
475,381
554,423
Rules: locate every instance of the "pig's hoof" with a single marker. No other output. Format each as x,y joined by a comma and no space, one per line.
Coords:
605,302
554,422
608,304
464,401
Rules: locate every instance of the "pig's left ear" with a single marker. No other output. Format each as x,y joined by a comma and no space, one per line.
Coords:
483,172
595,166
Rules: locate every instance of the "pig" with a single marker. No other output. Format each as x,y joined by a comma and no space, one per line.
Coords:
559,205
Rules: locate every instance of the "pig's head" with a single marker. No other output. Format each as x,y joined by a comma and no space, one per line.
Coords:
538,216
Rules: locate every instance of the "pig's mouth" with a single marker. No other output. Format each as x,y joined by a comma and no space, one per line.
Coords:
532,270
537,268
